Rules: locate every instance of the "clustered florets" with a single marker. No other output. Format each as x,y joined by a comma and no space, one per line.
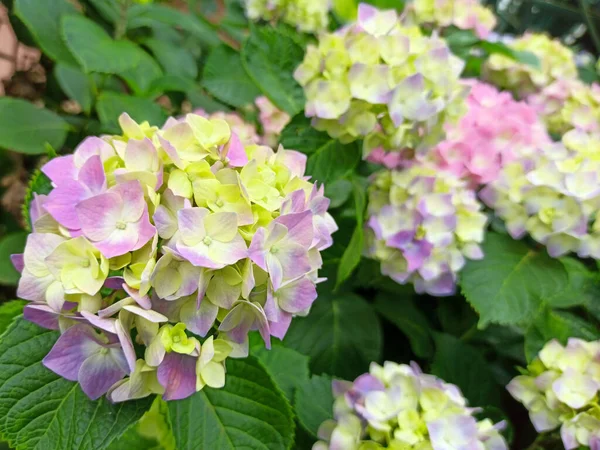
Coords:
171,244
398,406
309,16
382,82
560,389
423,224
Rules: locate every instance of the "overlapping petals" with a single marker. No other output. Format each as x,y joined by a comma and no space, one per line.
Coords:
398,406
560,389
553,195
383,82
423,225
159,250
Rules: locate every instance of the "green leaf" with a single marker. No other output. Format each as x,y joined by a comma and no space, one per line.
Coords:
512,281
75,84
8,311
225,78
270,58
345,9
145,72
25,128
561,325
287,367
314,403
40,410
10,244
300,135
249,412
95,50
38,184
174,60
522,56
44,25
110,105
461,364
170,83
338,192
341,335
332,161
403,313
151,14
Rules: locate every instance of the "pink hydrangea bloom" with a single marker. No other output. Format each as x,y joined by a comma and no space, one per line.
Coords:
272,119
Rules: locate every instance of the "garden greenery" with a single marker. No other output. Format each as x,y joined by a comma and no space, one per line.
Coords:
299,224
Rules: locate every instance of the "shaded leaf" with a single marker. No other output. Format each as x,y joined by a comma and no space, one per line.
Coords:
174,60
10,244
75,84
300,135
8,311
314,403
111,105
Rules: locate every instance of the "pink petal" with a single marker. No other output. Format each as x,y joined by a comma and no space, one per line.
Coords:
98,216
99,322
126,344
60,170
300,227
235,153
62,201
92,175
133,200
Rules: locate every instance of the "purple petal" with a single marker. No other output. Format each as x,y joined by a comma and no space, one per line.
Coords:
99,322
142,300
200,320
99,372
17,261
177,374
126,344
42,315
300,227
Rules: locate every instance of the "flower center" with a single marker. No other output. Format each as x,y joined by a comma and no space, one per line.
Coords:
274,249
207,240
420,234
176,338
219,203
103,351
85,263
121,225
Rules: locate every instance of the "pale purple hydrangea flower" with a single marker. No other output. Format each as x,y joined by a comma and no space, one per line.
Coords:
398,406
202,234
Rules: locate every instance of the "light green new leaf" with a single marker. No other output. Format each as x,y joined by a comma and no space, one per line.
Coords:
10,244
40,410
249,412
43,22
314,403
95,50
270,58
461,364
111,105
559,325
341,335
402,312
225,78
25,128
286,366
75,84
512,281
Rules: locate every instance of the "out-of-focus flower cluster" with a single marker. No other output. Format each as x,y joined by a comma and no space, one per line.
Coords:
158,250
399,407
309,16
567,104
463,14
423,224
556,62
554,195
383,82
272,119
495,131
560,389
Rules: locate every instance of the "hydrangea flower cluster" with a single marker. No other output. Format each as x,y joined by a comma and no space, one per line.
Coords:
398,406
567,104
422,225
560,388
309,16
463,14
480,145
245,131
553,195
272,119
383,82
556,62
158,250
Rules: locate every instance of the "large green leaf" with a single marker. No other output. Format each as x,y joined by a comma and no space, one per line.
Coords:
332,161
225,78
8,311
314,402
10,244
95,50
174,60
300,135
151,14
270,58
342,335
287,367
25,128
402,312
512,281
249,412
40,410
110,105
461,364
44,24
75,84
559,325
141,77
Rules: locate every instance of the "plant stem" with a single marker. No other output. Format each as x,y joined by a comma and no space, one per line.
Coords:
121,25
